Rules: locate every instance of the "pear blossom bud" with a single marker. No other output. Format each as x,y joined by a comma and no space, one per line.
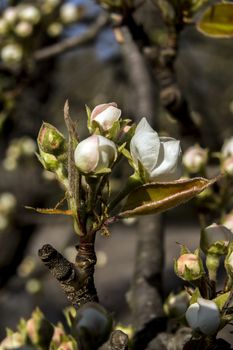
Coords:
227,148
12,341
189,267
55,29
105,115
227,166
10,15
176,304
160,157
12,53
67,345
3,26
69,13
227,221
50,140
23,29
203,316
95,154
195,158
215,239
30,14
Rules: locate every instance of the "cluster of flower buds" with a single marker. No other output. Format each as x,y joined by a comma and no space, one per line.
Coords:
21,23
204,310
227,157
90,326
19,149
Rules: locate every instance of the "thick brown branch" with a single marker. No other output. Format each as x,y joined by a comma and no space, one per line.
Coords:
71,43
76,281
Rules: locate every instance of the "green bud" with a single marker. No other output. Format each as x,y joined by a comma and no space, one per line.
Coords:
50,140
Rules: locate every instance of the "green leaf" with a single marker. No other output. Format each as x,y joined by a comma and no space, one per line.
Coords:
217,21
158,197
221,300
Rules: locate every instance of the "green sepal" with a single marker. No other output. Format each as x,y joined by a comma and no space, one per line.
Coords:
221,300
196,294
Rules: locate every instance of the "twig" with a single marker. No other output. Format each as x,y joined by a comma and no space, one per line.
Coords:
71,43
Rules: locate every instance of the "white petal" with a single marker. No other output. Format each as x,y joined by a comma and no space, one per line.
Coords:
168,167
208,316
145,145
107,153
86,155
192,315
107,117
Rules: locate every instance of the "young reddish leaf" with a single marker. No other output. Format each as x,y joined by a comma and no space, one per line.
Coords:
51,211
217,21
157,197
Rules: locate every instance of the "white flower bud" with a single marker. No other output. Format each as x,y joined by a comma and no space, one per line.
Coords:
203,316
227,166
30,14
94,154
23,29
69,13
3,26
159,156
195,158
215,239
176,304
105,115
227,148
10,15
12,53
55,29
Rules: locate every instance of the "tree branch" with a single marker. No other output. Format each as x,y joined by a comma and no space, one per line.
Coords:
118,341
71,43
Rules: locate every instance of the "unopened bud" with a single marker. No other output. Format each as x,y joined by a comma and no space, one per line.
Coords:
39,330
95,154
69,13
10,14
55,29
105,115
23,29
176,305
30,14
12,53
215,239
227,166
189,267
195,158
203,316
50,140
227,148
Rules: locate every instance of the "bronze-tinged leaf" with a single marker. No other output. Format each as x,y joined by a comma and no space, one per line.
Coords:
217,21
157,197
51,211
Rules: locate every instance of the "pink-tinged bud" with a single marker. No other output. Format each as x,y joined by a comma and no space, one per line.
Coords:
189,267
58,334
227,166
105,115
39,330
50,140
95,154
195,158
